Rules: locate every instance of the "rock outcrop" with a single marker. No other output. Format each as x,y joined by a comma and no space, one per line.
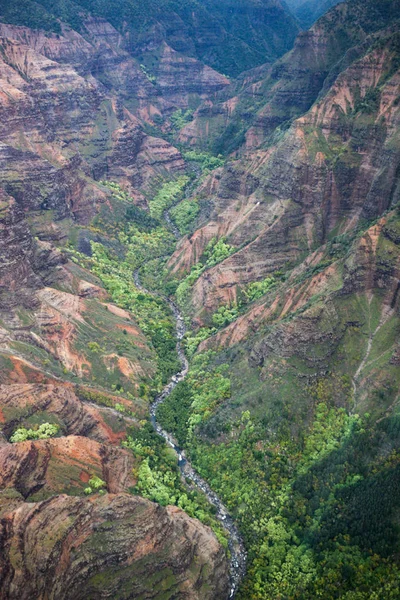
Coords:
337,165
21,403
39,469
112,545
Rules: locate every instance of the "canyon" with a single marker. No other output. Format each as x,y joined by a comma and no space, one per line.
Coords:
199,232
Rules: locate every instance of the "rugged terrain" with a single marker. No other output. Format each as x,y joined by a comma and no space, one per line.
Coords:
308,11
254,179
64,547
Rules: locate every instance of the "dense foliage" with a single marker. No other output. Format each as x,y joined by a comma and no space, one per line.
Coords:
95,484
207,161
167,196
184,214
43,432
159,480
314,518
257,289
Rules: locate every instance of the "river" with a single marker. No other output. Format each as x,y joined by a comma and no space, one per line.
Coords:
236,546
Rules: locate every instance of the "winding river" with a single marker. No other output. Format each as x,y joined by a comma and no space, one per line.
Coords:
236,546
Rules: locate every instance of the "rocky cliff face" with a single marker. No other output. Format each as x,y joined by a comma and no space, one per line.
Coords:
229,36
337,165
149,550
23,403
267,101
308,197
59,123
40,469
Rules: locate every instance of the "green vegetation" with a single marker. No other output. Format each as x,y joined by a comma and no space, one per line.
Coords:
95,484
225,315
222,317
316,510
118,192
180,118
192,341
159,480
193,401
217,251
43,432
184,214
167,196
255,290
369,103
134,214
207,161
142,245
140,218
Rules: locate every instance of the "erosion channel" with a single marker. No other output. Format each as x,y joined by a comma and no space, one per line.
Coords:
236,545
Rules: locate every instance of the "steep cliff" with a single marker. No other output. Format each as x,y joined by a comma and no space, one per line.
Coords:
335,167
265,104
121,128
229,36
64,547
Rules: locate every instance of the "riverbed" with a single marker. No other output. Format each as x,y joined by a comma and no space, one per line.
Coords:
235,542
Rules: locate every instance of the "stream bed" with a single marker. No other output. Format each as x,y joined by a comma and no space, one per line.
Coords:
235,542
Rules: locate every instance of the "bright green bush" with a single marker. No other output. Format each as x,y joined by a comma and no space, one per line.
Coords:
207,161
257,289
96,483
167,196
225,315
217,251
192,341
184,214
43,432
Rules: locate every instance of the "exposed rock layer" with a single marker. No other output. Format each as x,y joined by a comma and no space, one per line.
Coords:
69,547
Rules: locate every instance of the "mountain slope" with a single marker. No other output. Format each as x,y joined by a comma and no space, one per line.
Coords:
297,327
267,101
229,36
282,252
336,166
309,11
76,364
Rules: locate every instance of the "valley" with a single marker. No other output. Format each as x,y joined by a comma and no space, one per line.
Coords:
199,300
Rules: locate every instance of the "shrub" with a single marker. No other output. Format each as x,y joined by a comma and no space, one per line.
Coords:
96,483
43,432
